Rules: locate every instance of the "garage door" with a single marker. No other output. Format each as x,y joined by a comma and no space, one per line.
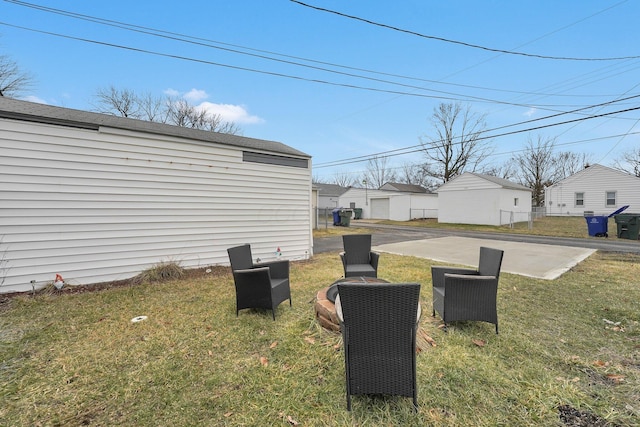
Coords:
380,208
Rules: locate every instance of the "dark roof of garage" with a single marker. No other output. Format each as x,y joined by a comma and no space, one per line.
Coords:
42,113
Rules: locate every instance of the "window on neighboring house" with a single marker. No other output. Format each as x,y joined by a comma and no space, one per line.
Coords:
515,201
579,199
611,198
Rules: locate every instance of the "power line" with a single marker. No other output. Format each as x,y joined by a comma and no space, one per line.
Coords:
418,148
507,52
212,44
398,151
235,67
583,141
386,153
277,74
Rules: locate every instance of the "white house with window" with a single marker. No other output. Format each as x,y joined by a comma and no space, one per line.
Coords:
474,198
596,189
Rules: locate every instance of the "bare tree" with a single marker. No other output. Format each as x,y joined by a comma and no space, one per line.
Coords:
179,112
317,179
456,145
505,171
629,162
117,102
537,167
568,163
183,114
13,81
153,108
343,179
378,172
412,173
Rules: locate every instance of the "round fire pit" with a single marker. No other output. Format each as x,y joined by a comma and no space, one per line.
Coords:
325,302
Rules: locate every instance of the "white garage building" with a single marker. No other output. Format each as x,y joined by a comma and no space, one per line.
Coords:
96,198
473,198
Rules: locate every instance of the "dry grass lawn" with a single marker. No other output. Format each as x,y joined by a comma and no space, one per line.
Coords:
568,351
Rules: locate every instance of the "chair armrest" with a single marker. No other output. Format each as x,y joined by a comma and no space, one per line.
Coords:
438,272
278,269
374,256
480,286
343,258
251,275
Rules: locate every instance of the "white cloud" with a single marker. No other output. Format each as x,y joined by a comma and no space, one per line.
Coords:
32,98
195,95
172,92
230,113
530,112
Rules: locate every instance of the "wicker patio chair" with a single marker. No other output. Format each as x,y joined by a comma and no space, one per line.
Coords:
357,258
468,294
379,323
263,285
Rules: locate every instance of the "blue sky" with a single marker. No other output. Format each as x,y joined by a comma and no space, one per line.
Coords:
349,116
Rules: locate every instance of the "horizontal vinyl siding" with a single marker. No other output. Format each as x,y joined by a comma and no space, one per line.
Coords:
469,207
467,182
594,182
96,206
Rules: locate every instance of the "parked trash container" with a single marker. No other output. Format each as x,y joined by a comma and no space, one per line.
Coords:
628,226
357,213
598,225
345,217
336,216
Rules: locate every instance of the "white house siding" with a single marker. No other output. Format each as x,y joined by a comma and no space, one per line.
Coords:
358,196
423,205
393,205
104,205
481,206
594,182
472,199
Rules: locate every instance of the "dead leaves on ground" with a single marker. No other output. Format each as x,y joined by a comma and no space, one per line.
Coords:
289,419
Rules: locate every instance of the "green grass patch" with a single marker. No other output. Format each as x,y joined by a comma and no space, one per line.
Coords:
77,359
558,226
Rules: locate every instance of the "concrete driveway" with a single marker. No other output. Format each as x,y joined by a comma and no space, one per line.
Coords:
526,259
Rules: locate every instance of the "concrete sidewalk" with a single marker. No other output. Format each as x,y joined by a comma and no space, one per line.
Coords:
526,259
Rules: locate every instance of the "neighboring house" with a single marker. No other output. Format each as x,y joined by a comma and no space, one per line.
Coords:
393,205
473,198
329,194
406,188
97,198
596,189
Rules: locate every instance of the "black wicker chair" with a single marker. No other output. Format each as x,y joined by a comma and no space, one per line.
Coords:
263,285
468,294
357,258
379,323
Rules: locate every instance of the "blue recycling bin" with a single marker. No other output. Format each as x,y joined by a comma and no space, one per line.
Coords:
598,225
336,216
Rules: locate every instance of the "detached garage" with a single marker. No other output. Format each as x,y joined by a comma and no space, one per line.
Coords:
473,198
392,205
96,198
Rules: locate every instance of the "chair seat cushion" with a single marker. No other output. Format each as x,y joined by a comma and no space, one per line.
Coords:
277,282
361,270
